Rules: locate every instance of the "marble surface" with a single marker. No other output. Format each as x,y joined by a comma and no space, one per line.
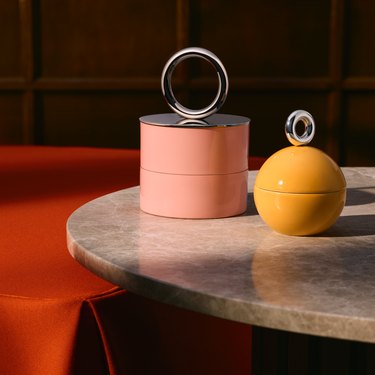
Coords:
237,268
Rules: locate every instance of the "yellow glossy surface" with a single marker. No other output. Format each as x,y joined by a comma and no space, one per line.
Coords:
300,191
299,214
300,169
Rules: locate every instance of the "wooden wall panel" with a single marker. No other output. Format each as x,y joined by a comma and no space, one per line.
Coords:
359,52
10,62
98,38
71,66
11,131
359,129
107,119
265,38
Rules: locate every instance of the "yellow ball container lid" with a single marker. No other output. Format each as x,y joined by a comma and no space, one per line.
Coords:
300,169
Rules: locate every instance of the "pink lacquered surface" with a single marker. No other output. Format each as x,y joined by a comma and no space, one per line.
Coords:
187,196
194,151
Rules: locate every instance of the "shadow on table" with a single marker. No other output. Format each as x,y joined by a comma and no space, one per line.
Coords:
358,196
352,226
251,209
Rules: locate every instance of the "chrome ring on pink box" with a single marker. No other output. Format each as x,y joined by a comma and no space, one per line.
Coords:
166,82
195,170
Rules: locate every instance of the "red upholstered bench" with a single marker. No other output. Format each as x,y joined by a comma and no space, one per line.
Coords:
58,318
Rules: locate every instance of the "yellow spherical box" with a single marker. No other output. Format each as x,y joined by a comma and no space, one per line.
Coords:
300,191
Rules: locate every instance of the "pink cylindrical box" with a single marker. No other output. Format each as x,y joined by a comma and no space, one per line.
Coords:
194,168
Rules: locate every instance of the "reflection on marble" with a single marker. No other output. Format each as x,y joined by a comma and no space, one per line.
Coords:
237,268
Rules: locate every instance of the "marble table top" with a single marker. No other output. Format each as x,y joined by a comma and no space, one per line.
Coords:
237,268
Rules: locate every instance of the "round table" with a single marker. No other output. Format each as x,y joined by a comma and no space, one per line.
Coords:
237,268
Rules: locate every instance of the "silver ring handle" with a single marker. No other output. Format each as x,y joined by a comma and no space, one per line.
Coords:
290,128
166,86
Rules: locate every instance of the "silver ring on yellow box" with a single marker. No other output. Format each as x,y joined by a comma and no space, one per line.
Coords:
290,128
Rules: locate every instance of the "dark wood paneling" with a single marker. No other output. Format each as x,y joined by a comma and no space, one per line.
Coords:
11,130
10,56
98,38
69,59
359,129
109,119
266,38
287,353
359,52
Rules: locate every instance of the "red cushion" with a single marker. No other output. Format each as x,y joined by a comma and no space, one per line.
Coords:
41,187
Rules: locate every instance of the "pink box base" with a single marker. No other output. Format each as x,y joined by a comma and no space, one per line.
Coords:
193,196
